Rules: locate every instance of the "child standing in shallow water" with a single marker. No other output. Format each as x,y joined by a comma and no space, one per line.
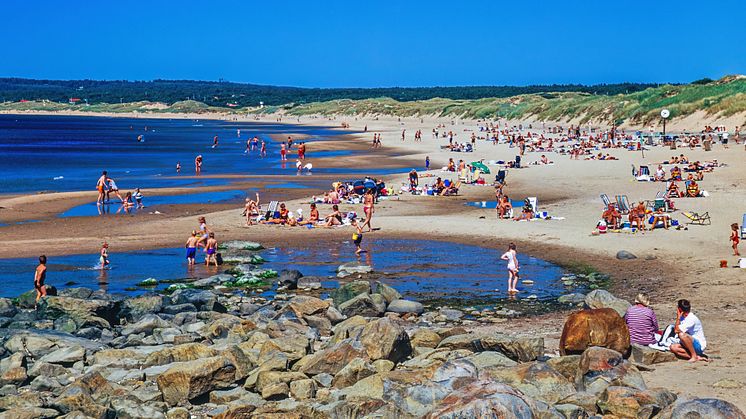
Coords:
357,237
734,238
104,259
212,249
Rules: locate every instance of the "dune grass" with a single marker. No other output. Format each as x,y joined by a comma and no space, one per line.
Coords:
724,97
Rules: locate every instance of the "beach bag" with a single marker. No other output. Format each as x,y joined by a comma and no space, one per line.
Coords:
219,258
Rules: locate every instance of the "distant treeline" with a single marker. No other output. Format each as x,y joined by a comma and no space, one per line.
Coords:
223,93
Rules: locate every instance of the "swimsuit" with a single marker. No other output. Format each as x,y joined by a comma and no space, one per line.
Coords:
191,252
210,251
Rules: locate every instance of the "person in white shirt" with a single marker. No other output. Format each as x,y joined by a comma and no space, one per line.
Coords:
690,333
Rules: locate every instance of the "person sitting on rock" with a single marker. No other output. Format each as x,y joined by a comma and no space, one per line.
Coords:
691,335
641,321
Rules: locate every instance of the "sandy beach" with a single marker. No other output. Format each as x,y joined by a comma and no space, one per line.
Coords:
671,264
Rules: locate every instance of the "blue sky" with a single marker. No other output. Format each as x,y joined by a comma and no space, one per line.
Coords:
370,44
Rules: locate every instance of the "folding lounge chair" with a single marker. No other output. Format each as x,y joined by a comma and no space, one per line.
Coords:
699,219
605,198
660,203
271,209
622,204
534,201
644,171
743,227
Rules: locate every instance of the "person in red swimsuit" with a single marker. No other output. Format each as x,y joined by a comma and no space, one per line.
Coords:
734,238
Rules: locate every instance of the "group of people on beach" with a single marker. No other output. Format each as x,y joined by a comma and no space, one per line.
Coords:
205,238
106,186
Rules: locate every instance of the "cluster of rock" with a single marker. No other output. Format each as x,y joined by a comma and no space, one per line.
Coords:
364,352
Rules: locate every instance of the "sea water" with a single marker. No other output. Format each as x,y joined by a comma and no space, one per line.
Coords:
423,270
68,153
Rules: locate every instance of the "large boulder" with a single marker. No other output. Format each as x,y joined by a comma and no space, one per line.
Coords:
702,408
600,368
405,306
388,293
349,291
534,379
303,305
604,299
353,372
630,402
519,349
81,311
179,353
331,360
202,299
135,307
7,309
384,339
425,338
350,268
597,327
28,298
186,380
483,399
360,305
145,325
289,278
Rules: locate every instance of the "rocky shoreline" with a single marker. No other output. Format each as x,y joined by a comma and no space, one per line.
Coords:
200,350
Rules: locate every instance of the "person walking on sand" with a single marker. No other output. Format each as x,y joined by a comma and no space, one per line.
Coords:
512,257
368,208
101,187
734,238
198,165
191,248
357,237
212,248
39,276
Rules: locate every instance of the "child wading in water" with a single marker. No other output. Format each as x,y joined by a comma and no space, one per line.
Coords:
212,248
512,257
357,237
104,258
734,238
191,248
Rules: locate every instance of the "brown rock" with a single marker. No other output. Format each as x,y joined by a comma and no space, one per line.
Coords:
331,360
600,368
649,356
187,380
303,305
425,338
384,339
596,327
179,353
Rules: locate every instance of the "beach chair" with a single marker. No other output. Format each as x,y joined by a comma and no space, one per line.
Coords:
644,171
605,198
622,204
660,203
699,219
271,209
534,202
743,227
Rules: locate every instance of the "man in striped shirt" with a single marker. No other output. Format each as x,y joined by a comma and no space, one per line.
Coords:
641,321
